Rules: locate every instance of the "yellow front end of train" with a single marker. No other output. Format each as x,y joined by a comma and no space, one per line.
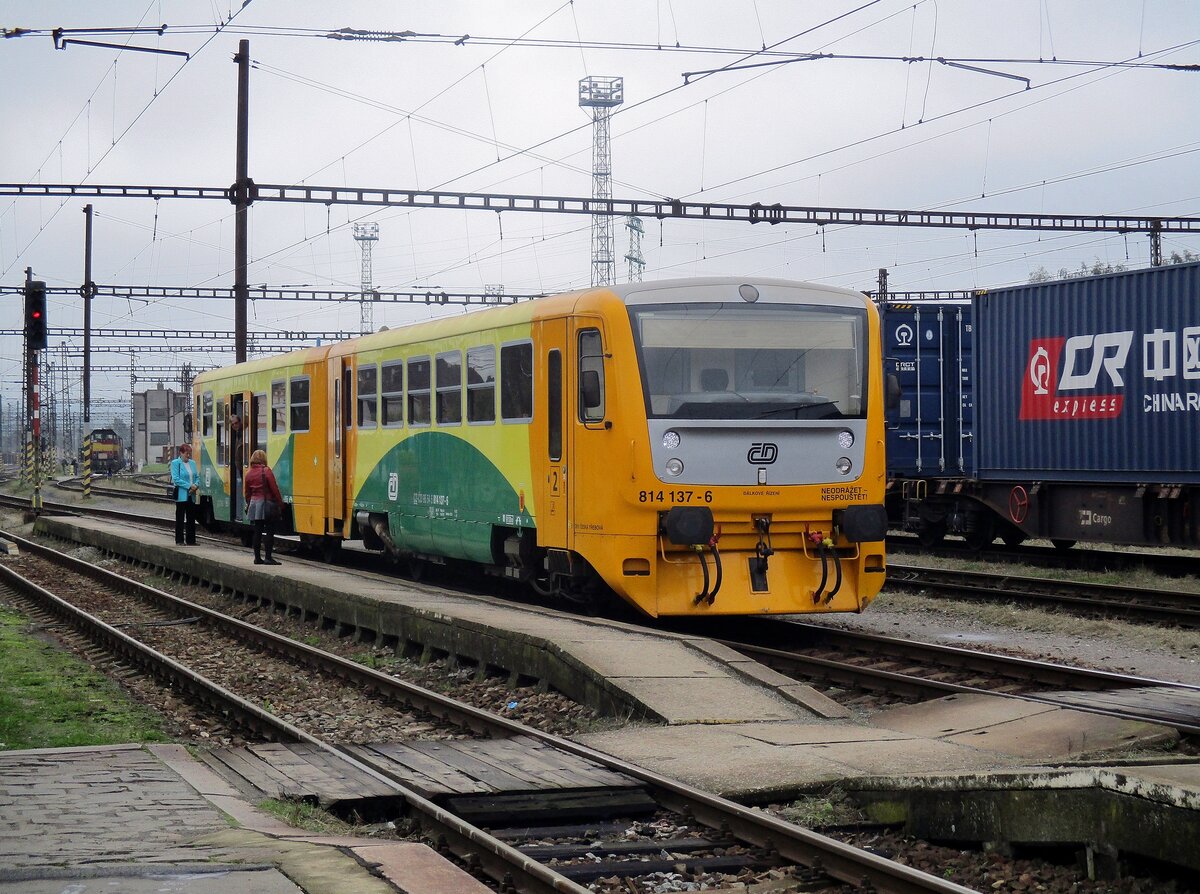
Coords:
722,450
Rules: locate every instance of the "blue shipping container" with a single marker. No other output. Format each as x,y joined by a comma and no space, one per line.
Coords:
930,432
1091,379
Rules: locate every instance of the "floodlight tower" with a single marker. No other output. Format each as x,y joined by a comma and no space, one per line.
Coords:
601,95
366,235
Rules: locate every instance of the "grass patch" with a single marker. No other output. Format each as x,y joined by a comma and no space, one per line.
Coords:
309,817
50,699
822,812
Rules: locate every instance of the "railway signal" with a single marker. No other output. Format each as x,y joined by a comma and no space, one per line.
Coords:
35,315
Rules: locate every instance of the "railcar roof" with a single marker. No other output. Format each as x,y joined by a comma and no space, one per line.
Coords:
504,315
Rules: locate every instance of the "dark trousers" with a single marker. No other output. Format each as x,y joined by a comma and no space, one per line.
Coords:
185,511
264,537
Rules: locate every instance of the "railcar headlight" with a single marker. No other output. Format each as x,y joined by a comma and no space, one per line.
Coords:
844,465
671,439
674,467
845,439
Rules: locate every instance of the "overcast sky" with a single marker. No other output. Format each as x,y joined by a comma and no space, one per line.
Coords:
499,113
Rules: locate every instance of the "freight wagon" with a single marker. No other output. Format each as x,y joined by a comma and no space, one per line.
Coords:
704,446
1067,410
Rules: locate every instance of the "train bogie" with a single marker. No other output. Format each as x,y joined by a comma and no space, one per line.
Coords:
705,446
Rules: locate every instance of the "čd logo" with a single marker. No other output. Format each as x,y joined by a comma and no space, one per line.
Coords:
762,454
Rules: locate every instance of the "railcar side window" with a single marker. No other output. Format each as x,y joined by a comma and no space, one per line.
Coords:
393,393
368,396
516,382
554,414
418,391
449,388
222,412
299,403
260,421
206,414
481,384
591,376
278,407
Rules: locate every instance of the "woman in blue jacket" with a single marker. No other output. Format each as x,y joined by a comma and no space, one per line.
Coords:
186,478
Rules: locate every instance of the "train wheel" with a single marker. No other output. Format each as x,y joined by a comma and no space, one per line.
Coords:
982,536
1013,538
328,549
932,534
1062,544
979,540
417,568
246,536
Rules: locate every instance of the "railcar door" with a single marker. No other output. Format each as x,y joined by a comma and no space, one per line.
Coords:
552,436
340,392
236,455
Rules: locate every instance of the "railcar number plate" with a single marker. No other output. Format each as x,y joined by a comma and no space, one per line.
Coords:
677,497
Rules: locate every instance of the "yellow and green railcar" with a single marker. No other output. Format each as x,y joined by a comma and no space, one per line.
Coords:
708,446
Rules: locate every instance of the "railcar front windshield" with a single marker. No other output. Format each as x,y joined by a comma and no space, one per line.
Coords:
738,361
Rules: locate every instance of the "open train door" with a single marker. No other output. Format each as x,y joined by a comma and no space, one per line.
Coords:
340,388
551,434
233,435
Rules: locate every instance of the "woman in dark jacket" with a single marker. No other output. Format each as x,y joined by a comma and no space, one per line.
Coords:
261,492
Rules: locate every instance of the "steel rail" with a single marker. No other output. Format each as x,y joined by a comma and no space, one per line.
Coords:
1167,564
844,862
1135,602
937,656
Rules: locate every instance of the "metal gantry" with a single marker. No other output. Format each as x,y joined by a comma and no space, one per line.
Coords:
431,295
754,212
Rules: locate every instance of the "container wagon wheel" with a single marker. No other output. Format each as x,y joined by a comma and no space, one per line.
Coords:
1062,544
1013,538
982,536
932,534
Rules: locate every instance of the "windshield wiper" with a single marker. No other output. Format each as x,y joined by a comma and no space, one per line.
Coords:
796,408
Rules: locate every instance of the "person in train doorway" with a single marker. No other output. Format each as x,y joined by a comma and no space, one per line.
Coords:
264,506
236,457
186,478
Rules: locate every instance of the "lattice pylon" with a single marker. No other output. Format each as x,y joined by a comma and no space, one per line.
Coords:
602,95
366,235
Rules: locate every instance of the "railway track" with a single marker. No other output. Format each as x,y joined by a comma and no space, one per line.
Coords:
1082,597
1103,600
855,666
1077,557
844,662
674,826
155,488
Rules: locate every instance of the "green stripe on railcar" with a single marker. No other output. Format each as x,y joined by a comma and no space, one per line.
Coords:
442,495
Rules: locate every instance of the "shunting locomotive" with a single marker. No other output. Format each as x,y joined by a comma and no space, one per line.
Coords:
705,446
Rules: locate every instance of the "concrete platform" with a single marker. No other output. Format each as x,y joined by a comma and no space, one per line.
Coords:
153,819
1146,809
